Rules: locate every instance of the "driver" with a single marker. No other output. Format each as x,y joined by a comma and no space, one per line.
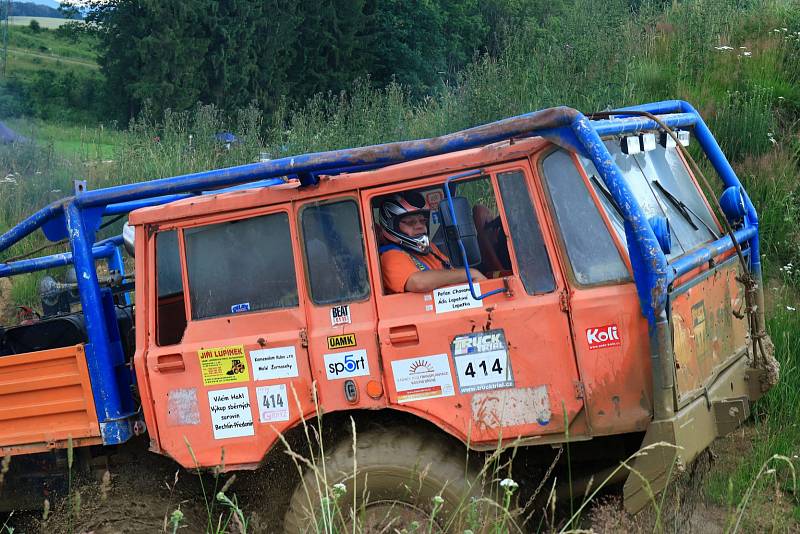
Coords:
410,262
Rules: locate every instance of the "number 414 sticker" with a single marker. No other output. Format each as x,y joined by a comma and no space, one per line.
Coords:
482,361
273,404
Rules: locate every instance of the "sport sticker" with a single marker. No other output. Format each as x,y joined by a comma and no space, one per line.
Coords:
273,403
268,364
481,361
346,364
425,377
455,298
231,415
340,315
223,365
342,341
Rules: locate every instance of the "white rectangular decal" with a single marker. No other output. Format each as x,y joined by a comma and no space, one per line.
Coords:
425,377
273,403
346,364
340,315
481,361
455,298
231,415
269,364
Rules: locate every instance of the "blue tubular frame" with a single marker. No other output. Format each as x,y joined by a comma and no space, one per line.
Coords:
78,217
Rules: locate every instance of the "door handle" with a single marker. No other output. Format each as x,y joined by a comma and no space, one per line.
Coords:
170,363
404,335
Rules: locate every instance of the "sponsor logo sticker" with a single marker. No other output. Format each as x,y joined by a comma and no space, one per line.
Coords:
424,377
481,361
342,341
231,416
602,337
269,364
346,364
223,365
273,403
239,308
340,315
456,298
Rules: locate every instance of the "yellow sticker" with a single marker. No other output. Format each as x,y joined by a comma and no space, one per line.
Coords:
223,365
342,341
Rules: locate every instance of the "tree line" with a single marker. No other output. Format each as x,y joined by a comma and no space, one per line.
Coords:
238,52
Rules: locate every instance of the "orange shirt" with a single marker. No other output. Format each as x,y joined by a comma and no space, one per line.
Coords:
397,266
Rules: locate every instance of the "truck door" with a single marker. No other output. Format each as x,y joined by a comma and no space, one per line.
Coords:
342,344
226,363
502,366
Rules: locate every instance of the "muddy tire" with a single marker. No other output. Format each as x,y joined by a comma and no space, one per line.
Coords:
399,472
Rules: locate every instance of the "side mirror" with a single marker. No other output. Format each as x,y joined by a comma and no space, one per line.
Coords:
128,238
463,229
663,232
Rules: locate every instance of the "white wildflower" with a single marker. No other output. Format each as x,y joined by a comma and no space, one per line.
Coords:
724,47
339,489
790,308
508,483
747,54
742,48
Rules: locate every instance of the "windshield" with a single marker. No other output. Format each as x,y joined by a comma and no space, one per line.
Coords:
661,184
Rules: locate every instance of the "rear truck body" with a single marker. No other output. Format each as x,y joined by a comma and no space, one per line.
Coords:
615,301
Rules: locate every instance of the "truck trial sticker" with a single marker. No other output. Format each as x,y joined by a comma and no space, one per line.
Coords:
481,361
231,415
425,377
273,403
346,364
269,364
223,365
602,337
340,315
341,342
456,298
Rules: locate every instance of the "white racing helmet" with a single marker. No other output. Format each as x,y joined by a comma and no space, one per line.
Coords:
395,208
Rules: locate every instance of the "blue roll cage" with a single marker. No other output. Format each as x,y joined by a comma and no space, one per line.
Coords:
78,217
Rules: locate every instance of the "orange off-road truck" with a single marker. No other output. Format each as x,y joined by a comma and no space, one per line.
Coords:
620,306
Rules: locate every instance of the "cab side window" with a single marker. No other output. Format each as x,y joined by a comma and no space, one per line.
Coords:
241,266
535,270
592,253
334,249
170,309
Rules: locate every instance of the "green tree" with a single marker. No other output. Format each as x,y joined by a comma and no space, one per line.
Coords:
34,26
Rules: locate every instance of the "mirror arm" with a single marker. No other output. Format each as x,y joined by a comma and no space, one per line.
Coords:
460,242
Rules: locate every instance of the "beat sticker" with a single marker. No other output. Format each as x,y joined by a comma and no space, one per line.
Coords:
340,315
602,337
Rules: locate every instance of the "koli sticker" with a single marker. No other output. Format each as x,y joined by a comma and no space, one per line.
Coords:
269,364
456,298
273,403
223,365
340,315
342,341
231,415
424,377
481,361
601,337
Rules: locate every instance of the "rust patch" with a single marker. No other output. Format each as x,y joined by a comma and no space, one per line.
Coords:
182,407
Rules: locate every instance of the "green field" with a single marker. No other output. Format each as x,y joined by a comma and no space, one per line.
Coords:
44,22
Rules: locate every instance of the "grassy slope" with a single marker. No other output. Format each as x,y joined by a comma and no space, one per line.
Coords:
750,96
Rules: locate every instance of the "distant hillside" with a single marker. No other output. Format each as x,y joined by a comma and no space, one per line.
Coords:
30,9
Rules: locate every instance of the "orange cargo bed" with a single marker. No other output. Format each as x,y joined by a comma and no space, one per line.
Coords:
46,398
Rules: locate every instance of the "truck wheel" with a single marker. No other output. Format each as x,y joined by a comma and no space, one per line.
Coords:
398,474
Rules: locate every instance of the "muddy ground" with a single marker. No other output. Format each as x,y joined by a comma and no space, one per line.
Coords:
143,490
